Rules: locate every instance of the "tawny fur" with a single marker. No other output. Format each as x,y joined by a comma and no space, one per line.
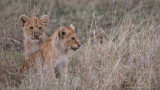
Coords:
54,52
33,27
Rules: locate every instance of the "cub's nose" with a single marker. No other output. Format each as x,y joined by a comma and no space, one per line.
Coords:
79,45
36,35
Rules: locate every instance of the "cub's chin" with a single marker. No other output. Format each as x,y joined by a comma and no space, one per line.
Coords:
74,49
35,38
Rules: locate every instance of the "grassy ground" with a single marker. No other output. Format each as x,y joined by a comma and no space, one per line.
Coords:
123,53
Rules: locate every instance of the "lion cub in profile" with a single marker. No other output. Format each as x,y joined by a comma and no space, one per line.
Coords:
54,53
34,33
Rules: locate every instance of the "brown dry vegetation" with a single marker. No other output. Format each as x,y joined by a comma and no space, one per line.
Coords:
128,57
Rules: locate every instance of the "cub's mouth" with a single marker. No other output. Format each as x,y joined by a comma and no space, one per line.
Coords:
74,49
35,38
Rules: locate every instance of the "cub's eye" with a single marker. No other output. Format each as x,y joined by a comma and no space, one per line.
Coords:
40,28
31,27
73,38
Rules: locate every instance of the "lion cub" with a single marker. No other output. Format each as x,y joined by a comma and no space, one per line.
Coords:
54,52
34,33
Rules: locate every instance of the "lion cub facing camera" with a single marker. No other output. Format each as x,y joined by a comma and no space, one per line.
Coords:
34,33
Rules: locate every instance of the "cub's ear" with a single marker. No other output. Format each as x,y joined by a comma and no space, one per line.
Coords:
23,19
45,19
71,26
62,33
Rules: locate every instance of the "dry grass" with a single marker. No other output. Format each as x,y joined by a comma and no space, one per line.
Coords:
128,58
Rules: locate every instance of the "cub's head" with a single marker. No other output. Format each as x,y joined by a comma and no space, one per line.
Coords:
34,28
69,38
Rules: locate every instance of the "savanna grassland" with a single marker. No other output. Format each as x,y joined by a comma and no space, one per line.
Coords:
120,44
